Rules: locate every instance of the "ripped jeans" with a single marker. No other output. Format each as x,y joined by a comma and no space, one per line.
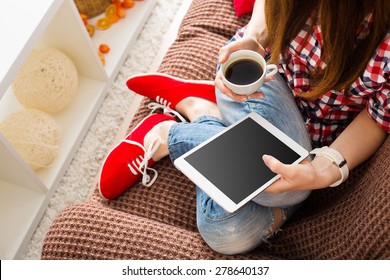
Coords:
245,229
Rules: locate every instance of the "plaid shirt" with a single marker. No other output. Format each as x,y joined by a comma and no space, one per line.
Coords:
327,116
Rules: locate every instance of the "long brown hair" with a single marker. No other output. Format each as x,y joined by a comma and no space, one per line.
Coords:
339,20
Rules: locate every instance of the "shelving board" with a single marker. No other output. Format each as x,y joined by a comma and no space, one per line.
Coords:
122,34
22,199
74,120
16,201
66,32
24,193
18,36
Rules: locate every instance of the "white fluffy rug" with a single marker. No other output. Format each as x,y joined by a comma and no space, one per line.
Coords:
81,174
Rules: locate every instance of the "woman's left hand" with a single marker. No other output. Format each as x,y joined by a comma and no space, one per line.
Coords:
322,172
308,175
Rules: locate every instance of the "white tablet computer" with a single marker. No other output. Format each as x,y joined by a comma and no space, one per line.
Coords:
229,166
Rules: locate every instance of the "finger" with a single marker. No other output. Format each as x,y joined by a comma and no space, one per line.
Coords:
278,167
238,97
228,92
277,187
269,79
225,52
272,163
257,95
219,84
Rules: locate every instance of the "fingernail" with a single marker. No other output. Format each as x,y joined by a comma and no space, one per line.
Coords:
267,159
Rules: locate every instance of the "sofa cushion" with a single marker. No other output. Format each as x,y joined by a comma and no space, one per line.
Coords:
243,7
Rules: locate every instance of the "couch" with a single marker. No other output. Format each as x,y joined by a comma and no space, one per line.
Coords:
347,222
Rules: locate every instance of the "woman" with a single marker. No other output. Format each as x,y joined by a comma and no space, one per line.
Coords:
333,92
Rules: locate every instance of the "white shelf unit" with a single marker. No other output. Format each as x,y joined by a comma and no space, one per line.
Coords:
24,194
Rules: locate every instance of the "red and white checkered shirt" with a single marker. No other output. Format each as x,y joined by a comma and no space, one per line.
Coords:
327,116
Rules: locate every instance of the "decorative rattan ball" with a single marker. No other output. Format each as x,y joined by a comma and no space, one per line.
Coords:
34,134
92,8
47,81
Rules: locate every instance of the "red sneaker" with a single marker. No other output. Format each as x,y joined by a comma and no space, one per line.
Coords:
129,160
168,90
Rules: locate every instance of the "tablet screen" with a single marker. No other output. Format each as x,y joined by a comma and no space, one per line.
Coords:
233,161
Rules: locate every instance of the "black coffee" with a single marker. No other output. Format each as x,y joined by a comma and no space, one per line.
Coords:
244,72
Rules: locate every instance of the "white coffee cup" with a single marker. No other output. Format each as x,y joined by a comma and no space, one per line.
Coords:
247,89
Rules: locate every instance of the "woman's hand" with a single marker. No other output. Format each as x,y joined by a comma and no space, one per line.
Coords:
322,172
247,43
308,175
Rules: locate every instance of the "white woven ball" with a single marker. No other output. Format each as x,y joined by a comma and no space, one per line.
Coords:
47,81
35,136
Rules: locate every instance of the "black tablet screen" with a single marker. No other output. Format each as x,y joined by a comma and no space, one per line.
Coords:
233,161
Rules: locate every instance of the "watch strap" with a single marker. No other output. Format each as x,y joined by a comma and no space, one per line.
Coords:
337,159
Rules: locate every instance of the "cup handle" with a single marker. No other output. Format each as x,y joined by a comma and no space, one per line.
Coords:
273,68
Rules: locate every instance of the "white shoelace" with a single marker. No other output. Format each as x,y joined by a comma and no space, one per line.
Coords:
163,101
163,104
140,164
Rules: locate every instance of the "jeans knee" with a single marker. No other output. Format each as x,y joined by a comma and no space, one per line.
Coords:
227,240
233,233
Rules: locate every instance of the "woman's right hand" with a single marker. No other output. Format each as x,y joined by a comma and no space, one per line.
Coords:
245,43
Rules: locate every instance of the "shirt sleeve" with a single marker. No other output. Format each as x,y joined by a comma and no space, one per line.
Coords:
378,106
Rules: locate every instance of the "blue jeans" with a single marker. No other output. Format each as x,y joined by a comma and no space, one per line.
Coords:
245,229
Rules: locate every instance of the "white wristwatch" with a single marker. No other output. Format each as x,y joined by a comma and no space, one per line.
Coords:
337,159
